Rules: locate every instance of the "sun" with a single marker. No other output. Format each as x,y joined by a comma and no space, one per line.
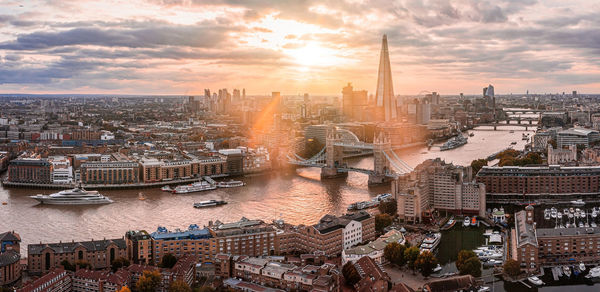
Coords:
314,55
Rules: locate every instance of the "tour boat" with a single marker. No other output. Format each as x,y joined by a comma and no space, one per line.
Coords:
195,187
141,196
579,202
75,196
166,188
467,221
210,203
535,281
230,184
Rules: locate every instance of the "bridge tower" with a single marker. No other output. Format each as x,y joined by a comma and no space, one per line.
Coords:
334,155
381,165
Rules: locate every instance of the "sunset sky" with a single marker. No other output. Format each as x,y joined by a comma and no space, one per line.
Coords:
184,46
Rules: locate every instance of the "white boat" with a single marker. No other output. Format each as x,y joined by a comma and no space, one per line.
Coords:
210,203
166,188
535,281
547,214
467,221
594,273
593,224
195,187
230,184
578,202
483,289
383,197
431,241
582,266
553,212
437,268
493,263
594,213
77,196
567,271
570,215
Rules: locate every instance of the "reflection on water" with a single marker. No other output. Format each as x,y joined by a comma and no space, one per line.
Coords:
297,198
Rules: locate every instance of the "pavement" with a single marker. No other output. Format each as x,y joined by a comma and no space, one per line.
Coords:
405,275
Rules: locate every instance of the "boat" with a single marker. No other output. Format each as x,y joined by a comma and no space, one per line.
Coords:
166,188
594,273
383,197
593,224
455,142
535,281
449,224
431,241
511,131
473,221
76,196
471,134
437,268
4,203
141,196
582,266
230,184
576,270
467,221
553,212
362,205
525,136
567,271
547,214
493,262
483,289
210,203
195,187
578,202
513,143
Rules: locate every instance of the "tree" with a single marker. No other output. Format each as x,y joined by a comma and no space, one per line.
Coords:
82,264
394,253
149,281
477,164
472,266
410,256
426,262
168,261
389,207
125,289
463,256
118,263
382,221
67,265
350,274
512,268
553,143
179,286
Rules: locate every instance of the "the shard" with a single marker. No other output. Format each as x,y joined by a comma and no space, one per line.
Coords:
385,100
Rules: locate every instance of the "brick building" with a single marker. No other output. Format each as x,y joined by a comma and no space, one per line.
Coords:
56,280
10,249
26,170
112,172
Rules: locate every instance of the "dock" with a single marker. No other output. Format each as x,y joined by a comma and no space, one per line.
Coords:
209,180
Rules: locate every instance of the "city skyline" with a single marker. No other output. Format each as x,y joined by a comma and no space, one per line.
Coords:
182,47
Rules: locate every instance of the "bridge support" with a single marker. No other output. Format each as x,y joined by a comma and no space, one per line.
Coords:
381,165
494,127
334,155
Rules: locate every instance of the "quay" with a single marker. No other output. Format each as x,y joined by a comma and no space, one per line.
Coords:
112,186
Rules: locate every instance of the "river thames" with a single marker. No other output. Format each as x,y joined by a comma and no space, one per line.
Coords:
296,198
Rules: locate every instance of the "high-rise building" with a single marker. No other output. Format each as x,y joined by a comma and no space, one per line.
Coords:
354,103
385,101
236,95
243,93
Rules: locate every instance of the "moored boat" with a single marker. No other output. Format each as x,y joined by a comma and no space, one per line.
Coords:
578,202
535,281
166,188
209,203
230,184
467,221
195,187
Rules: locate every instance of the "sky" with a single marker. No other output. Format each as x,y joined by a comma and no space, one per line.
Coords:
298,46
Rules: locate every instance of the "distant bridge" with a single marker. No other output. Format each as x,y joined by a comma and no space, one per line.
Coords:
386,163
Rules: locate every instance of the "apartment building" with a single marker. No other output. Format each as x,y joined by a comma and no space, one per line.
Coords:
56,280
99,254
108,173
30,170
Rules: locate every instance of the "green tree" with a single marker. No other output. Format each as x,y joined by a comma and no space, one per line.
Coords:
382,221
148,282
168,261
477,164
472,266
553,143
426,262
118,263
350,274
179,286
389,207
394,253
83,264
512,268
410,256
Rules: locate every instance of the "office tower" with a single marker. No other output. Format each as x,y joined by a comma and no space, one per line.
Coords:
206,93
236,95
354,103
243,93
384,97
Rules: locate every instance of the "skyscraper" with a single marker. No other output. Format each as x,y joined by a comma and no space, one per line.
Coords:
385,102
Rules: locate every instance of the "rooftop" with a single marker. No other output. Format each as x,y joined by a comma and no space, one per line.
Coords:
68,247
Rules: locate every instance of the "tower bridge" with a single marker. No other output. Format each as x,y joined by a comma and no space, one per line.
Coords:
386,163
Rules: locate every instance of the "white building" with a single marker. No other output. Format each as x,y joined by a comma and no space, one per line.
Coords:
373,249
106,135
62,171
352,234
577,136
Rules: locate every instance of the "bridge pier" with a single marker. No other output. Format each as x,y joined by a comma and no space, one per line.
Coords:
332,172
377,179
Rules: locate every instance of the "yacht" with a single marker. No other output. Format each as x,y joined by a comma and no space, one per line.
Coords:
582,266
210,203
455,142
77,196
547,214
567,271
467,221
230,184
195,187
553,212
431,241
535,281
578,202
594,273
437,268
474,221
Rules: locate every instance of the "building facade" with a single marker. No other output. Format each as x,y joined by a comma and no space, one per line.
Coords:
10,256
25,170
